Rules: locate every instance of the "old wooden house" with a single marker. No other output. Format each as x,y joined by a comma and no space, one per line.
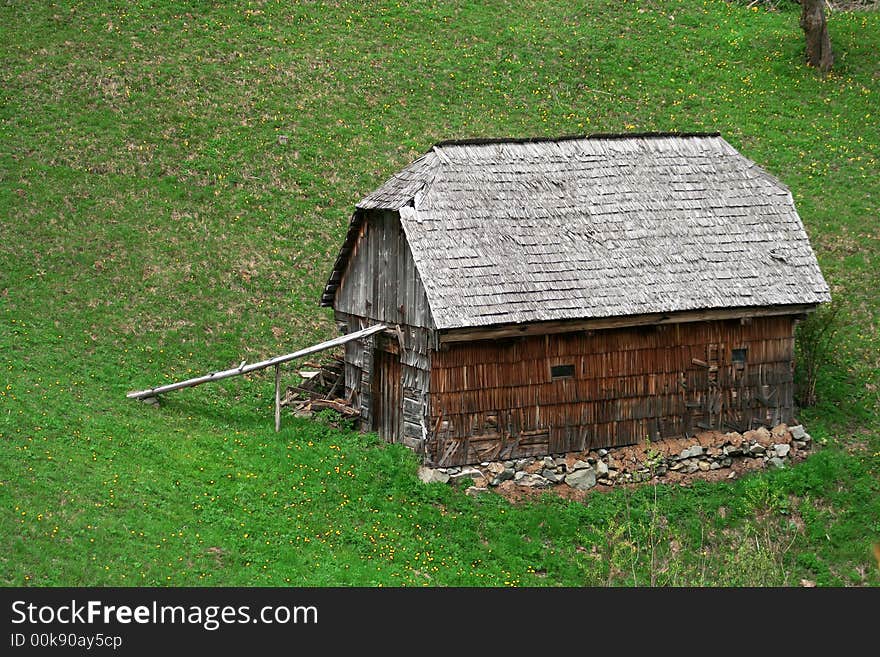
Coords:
553,295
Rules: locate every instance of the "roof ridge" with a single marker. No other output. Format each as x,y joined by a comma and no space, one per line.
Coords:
652,135
484,141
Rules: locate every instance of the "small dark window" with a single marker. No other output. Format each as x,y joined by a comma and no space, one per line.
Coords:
562,371
738,355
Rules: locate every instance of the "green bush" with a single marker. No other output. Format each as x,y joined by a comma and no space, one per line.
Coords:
814,349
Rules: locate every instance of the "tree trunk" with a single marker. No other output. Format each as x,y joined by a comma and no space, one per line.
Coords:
815,29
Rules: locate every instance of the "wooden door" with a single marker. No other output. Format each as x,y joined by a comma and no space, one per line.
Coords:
387,398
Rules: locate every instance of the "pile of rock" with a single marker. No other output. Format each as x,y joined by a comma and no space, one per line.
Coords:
705,452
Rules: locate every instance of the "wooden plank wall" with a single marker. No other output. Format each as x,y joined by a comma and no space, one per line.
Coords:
382,284
496,398
407,422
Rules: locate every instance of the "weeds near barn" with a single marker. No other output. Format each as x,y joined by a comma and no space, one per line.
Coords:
814,349
156,226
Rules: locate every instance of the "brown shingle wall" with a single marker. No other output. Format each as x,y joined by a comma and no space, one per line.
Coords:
492,399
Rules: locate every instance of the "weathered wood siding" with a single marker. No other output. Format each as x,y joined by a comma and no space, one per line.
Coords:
382,284
498,399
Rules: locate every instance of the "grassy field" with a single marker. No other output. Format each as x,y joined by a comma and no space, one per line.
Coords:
175,180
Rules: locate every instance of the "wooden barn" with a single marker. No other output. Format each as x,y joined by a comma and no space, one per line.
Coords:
552,295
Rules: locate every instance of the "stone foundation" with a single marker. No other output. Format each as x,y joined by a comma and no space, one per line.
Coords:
665,460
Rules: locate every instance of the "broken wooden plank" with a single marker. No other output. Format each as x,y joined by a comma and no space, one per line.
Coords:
451,447
339,406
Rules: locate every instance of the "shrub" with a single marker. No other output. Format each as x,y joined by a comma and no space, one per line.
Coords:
814,337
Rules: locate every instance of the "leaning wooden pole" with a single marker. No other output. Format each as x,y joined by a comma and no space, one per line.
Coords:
244,369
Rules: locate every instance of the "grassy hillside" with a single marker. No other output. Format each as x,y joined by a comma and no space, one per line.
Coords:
175,179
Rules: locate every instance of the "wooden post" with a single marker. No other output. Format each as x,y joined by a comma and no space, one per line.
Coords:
277,397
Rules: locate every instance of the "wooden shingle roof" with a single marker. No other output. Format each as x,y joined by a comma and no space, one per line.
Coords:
514,231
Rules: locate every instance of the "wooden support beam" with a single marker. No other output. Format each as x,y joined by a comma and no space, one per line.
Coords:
277,397
245,369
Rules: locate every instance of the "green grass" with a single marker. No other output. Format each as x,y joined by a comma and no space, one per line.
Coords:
154,227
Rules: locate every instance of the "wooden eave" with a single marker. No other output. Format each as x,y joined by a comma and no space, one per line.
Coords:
495,332
339,267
